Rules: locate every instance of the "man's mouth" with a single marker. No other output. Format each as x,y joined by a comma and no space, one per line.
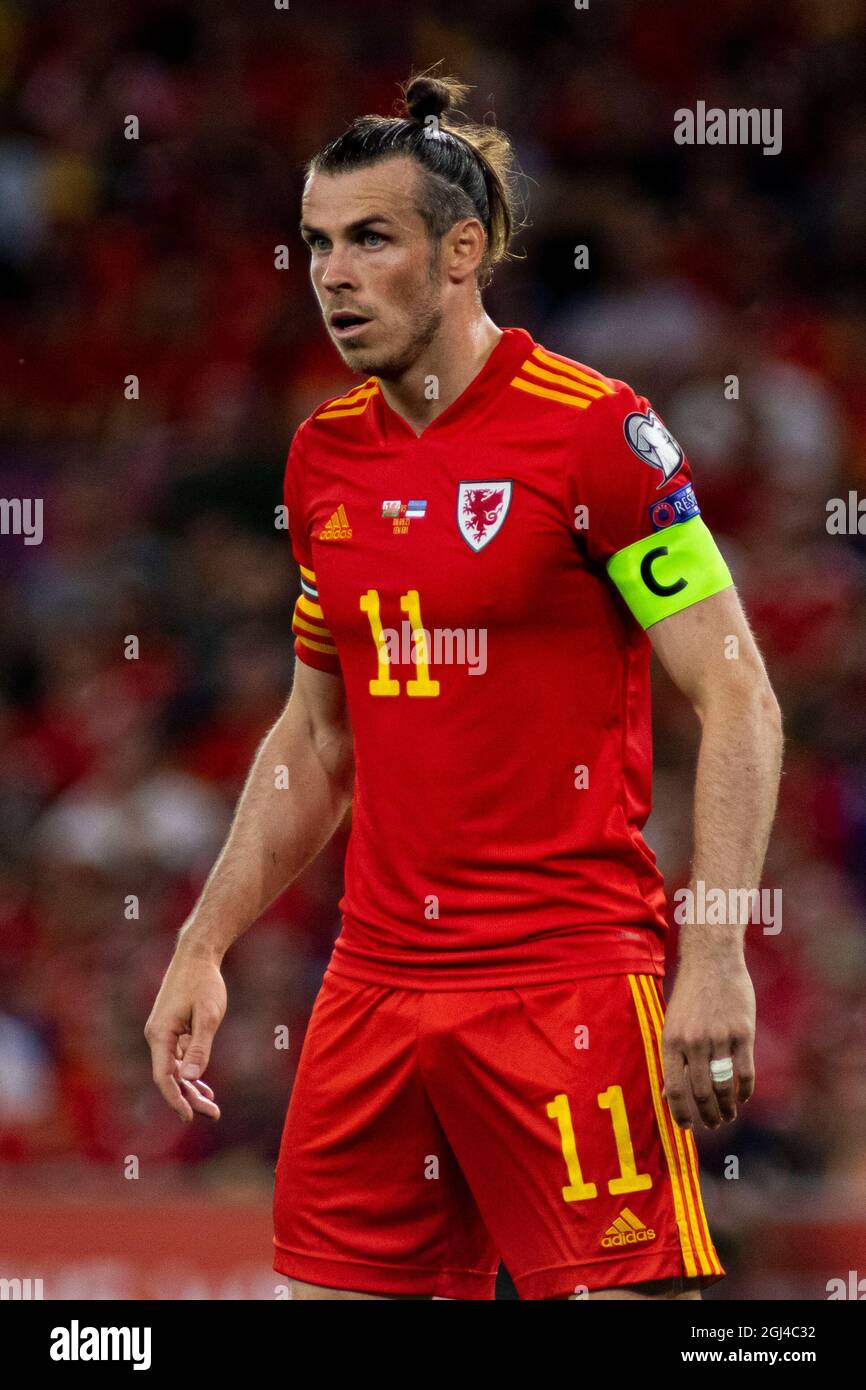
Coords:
345,324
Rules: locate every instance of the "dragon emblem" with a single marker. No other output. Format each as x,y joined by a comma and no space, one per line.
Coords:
481,510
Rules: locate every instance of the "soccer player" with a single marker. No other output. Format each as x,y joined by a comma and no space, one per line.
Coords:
491,538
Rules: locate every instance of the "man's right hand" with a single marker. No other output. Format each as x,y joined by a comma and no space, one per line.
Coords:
276,831
180,1031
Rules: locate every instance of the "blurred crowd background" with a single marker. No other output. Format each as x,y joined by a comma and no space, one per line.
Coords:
155,257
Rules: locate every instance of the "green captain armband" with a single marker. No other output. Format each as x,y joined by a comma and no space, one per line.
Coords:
669,570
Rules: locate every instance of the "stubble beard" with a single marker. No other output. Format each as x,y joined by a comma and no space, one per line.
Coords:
427,320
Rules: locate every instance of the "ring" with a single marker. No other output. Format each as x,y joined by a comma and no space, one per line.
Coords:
721,1070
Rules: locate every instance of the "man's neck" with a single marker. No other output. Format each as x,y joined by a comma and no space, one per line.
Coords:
443,372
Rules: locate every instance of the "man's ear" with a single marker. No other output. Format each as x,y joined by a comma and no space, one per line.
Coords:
464,249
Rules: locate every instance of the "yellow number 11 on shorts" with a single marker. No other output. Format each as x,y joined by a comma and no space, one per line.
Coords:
629,1180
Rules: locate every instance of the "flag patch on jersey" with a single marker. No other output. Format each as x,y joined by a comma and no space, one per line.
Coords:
401,513
681,505
481,510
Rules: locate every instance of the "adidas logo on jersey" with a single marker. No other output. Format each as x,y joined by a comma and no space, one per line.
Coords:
627,1229
337,527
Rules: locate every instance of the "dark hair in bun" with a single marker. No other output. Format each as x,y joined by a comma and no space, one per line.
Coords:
468,170
432,96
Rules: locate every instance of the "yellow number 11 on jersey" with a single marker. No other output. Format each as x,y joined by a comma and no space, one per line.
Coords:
384,683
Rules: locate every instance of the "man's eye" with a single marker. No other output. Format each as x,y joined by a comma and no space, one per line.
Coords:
314,242
378,236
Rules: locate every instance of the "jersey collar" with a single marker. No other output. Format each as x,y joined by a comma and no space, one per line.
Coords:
513,348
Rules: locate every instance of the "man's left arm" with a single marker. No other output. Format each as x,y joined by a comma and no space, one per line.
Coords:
710,654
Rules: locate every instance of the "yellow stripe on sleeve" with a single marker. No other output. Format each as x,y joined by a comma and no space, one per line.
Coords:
298,621
312,610
317,646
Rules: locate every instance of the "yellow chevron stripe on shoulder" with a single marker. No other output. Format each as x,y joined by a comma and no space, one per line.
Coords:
354,393
354,402
559,379
560,396
574,369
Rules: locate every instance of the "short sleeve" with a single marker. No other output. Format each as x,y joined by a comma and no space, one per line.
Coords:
633,506
314,644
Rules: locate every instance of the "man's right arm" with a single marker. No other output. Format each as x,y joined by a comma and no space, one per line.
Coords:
296,794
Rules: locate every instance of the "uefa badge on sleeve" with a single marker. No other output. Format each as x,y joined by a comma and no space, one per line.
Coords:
653,442
481,510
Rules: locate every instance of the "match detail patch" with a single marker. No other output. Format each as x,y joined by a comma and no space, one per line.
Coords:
659,575
681,505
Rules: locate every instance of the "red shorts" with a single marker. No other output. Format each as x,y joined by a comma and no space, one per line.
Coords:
432,1133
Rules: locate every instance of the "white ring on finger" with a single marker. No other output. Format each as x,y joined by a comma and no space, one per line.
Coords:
722,1070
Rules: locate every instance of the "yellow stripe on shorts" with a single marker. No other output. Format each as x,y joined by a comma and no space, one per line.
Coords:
662,1121
693,1198
654,996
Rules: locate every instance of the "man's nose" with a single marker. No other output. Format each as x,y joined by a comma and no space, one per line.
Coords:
338,270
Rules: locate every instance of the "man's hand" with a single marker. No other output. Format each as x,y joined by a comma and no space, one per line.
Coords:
188,1010
711,1016
275,833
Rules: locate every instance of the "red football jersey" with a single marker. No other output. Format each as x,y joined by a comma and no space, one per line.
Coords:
497,680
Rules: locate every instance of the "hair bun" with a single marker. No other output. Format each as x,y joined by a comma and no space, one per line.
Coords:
427,96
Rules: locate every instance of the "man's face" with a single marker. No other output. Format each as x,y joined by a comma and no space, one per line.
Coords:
370,256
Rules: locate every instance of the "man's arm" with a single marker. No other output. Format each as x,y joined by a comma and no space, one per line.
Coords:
296,794
709,652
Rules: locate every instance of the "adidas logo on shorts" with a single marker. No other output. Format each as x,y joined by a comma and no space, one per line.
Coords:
627,1229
